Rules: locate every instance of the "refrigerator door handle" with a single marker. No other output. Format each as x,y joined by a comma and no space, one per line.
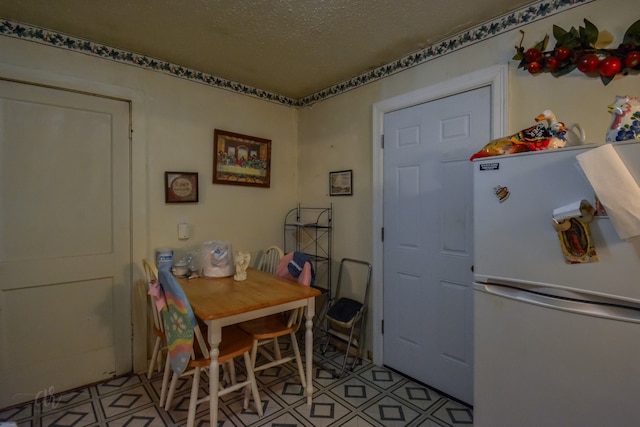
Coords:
610,310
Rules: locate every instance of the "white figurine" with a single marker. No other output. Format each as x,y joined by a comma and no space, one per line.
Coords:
241,261
567,135
625,119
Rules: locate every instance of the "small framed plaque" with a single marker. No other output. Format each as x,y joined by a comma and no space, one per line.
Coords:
341,183
181,187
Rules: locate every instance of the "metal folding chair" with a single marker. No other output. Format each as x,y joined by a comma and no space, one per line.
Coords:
345,317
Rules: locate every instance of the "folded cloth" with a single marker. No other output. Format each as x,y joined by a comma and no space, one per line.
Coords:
296,265
155,290
179,321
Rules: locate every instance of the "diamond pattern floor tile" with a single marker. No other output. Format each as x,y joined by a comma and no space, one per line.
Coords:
370,396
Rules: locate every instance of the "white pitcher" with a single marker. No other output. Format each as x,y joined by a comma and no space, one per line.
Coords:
575,137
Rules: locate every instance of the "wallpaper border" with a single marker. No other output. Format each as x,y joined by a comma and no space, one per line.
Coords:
507,22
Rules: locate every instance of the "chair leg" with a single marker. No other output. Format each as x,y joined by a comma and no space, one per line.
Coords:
154,357
231,372
165,381
254,354
276,348
326,341
361,331
159,359
346,353
296,350
250,367
172,389
252,382
193,400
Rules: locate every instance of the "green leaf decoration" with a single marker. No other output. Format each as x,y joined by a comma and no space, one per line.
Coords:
519,56
571,39
559,34
542,45
588,34
606,80
564,70
632,35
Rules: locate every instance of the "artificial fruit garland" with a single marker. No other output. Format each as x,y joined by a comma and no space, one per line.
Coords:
583,49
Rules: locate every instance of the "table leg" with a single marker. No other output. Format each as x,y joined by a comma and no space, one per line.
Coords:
215,336
308,354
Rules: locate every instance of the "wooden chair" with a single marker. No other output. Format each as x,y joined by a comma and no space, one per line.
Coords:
189,352
270,259
151,277
268,329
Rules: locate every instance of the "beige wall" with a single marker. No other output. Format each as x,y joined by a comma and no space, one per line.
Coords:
173,125
174,121
336,134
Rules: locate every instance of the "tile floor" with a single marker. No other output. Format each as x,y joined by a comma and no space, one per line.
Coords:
368,396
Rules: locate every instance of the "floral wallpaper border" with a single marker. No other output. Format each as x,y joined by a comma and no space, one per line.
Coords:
466,38
507,22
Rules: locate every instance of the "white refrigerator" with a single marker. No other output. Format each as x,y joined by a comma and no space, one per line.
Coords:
556,343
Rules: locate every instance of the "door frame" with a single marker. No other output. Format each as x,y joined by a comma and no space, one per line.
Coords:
138,193
497,78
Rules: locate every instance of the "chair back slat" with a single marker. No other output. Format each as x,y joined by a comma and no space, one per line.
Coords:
270,259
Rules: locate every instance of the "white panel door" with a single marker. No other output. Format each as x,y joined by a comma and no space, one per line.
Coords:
64,240
428,246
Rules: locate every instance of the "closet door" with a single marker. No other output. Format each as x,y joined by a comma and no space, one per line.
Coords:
64,240
428,238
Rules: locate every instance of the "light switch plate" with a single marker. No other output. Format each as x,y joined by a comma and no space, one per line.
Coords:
183,231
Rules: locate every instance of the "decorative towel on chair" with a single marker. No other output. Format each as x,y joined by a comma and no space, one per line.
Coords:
155,290
296,265
179,322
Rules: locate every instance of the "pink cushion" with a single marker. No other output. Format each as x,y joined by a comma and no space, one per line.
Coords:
283,271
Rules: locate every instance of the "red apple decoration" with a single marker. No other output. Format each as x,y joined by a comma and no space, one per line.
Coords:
610,66
534,67
562,53
533,55
632,59
551,63
588,63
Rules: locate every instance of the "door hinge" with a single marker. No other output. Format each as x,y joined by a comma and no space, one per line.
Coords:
382,326
382,141
382,234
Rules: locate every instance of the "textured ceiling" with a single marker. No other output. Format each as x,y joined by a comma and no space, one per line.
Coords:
289,47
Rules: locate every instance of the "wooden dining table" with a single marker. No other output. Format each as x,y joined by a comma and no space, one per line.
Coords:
223,301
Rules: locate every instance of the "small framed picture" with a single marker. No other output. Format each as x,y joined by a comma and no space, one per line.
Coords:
341,183
241,159
181,187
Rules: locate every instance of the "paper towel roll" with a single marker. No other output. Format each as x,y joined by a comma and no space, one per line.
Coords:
615,187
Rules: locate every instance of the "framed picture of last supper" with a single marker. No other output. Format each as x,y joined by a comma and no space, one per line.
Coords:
241,159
